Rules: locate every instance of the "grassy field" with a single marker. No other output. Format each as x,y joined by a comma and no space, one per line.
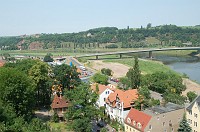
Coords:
146,66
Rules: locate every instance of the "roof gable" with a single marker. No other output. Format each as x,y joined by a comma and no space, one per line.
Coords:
134,117
59,102
197,100
126,97
102,88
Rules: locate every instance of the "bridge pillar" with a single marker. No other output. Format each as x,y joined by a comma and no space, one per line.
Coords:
120,56
97,57
150,54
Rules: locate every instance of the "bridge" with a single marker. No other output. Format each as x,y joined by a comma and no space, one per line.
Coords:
138,51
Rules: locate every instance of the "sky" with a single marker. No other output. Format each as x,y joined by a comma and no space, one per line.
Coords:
19,17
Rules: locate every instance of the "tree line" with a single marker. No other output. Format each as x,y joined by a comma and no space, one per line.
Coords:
167,35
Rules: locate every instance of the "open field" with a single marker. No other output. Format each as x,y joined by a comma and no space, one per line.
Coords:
146,66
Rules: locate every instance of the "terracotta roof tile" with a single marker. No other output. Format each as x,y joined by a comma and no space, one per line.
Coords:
137,117
127,97
59,102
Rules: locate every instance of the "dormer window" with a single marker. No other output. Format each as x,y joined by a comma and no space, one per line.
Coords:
139,125
128,120
57,103
134,123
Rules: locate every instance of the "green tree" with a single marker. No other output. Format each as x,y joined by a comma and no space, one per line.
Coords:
22,65
82,109
144,91
148,25
17,90
134,75
55,117
106,71
191,96
184,126
47,58
100,78
68,76
39,74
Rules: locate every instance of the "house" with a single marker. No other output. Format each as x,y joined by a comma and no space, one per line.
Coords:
156,119
119,103
59,105
193,114
104,91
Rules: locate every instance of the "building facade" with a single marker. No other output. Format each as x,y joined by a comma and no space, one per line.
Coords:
119,103
193,115
104,91
156,119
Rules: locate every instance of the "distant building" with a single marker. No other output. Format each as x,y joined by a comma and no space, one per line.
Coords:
193,115
104,92
156,119
59,105
119,103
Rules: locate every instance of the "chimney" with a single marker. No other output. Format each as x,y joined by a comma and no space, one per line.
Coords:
141,107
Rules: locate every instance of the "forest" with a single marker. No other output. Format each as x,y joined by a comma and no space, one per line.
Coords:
110,37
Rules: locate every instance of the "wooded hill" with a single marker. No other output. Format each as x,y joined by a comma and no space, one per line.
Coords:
108,37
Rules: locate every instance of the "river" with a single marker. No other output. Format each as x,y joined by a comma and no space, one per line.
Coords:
189,65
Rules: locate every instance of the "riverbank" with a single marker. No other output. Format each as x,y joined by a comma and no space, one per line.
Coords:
120,68
190,86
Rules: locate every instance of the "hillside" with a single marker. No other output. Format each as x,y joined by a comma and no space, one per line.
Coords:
108,37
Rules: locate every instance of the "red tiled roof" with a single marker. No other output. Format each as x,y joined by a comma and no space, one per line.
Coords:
102,88
59,102
1,63
138,117
127,97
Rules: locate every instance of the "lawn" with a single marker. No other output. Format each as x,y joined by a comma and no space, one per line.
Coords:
146,66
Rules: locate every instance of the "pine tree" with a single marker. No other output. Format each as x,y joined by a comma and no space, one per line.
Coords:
184,126
134,75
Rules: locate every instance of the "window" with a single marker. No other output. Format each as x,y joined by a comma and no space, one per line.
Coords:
108,92
129,120
190,112
104,99
157,118
163,116
134,123
139,125
172,129
130,128
195,115
150,127
195,124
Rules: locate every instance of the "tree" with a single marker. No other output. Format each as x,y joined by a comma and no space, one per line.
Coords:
22,65
100,78
82,109
47,58
67,75
55,117
39,74
144,91
17,90
191,96
148,25
134,74
184,126
106,71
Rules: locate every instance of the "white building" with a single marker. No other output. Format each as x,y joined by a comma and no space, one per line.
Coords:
103,91
193,115
119,103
